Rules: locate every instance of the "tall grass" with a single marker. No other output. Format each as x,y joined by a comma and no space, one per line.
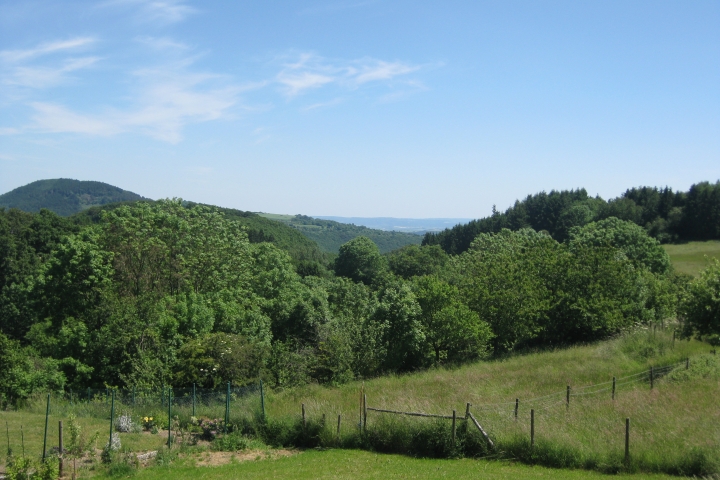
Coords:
675,426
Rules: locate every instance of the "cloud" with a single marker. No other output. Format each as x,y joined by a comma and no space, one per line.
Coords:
12,56
43,77
57,119
156,11
380,70
161,43
311,71
165,102
300,81
9,131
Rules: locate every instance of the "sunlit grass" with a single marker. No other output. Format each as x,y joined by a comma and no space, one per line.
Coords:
690,258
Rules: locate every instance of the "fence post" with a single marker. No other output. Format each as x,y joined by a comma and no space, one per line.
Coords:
567,398
47,414
453,428
303,416
262,399
467,410
364,412
88,394
532,428
227,406
613,389
338,429
112,420
169,418
133,394
652,377
71,397
193,414
60,448
517,405
687,363
673,344
627,440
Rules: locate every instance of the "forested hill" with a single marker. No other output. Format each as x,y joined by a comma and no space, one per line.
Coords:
666,215
330,235
259,229
64,196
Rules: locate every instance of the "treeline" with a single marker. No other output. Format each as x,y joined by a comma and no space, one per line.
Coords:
168,293
666,215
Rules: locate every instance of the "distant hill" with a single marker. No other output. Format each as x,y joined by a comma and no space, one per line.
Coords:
407,225
65,196
330,235
259,229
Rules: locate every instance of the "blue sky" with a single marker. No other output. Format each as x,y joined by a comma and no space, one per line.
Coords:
360,108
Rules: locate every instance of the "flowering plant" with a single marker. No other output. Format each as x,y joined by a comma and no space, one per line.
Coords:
148,423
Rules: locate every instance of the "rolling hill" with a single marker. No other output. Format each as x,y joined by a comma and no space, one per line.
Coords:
65,196
330,234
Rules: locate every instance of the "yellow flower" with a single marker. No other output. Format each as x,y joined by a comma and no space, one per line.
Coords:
151,419
146,419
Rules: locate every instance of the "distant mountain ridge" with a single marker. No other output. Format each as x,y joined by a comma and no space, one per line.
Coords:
330,235
65,196
409,225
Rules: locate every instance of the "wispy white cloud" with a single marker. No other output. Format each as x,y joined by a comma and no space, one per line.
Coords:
42,76
165,102
331,103
379,70
155,11
12,56
161,43
9,131
311,71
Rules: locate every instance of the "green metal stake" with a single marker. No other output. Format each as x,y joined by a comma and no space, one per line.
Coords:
193,400
169,418
262,399
47,414
227,406
88,394
133,395
7,430
112,420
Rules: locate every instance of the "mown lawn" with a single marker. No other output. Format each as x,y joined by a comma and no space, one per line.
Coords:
690,258
356,464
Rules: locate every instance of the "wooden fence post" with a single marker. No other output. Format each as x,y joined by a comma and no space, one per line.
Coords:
364,412
652,377
453,428
613,389
303,416
532,428
567,398
467,410
687,363
338,429
517,405
627,440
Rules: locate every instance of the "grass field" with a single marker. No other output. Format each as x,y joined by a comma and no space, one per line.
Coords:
357,464
675,427
690,257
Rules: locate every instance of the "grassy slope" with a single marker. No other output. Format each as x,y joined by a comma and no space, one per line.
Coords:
690,257
668,422
352,464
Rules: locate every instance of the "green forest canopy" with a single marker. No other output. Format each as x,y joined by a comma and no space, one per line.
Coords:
175,293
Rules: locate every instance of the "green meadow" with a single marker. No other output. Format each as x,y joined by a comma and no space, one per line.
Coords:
692,257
